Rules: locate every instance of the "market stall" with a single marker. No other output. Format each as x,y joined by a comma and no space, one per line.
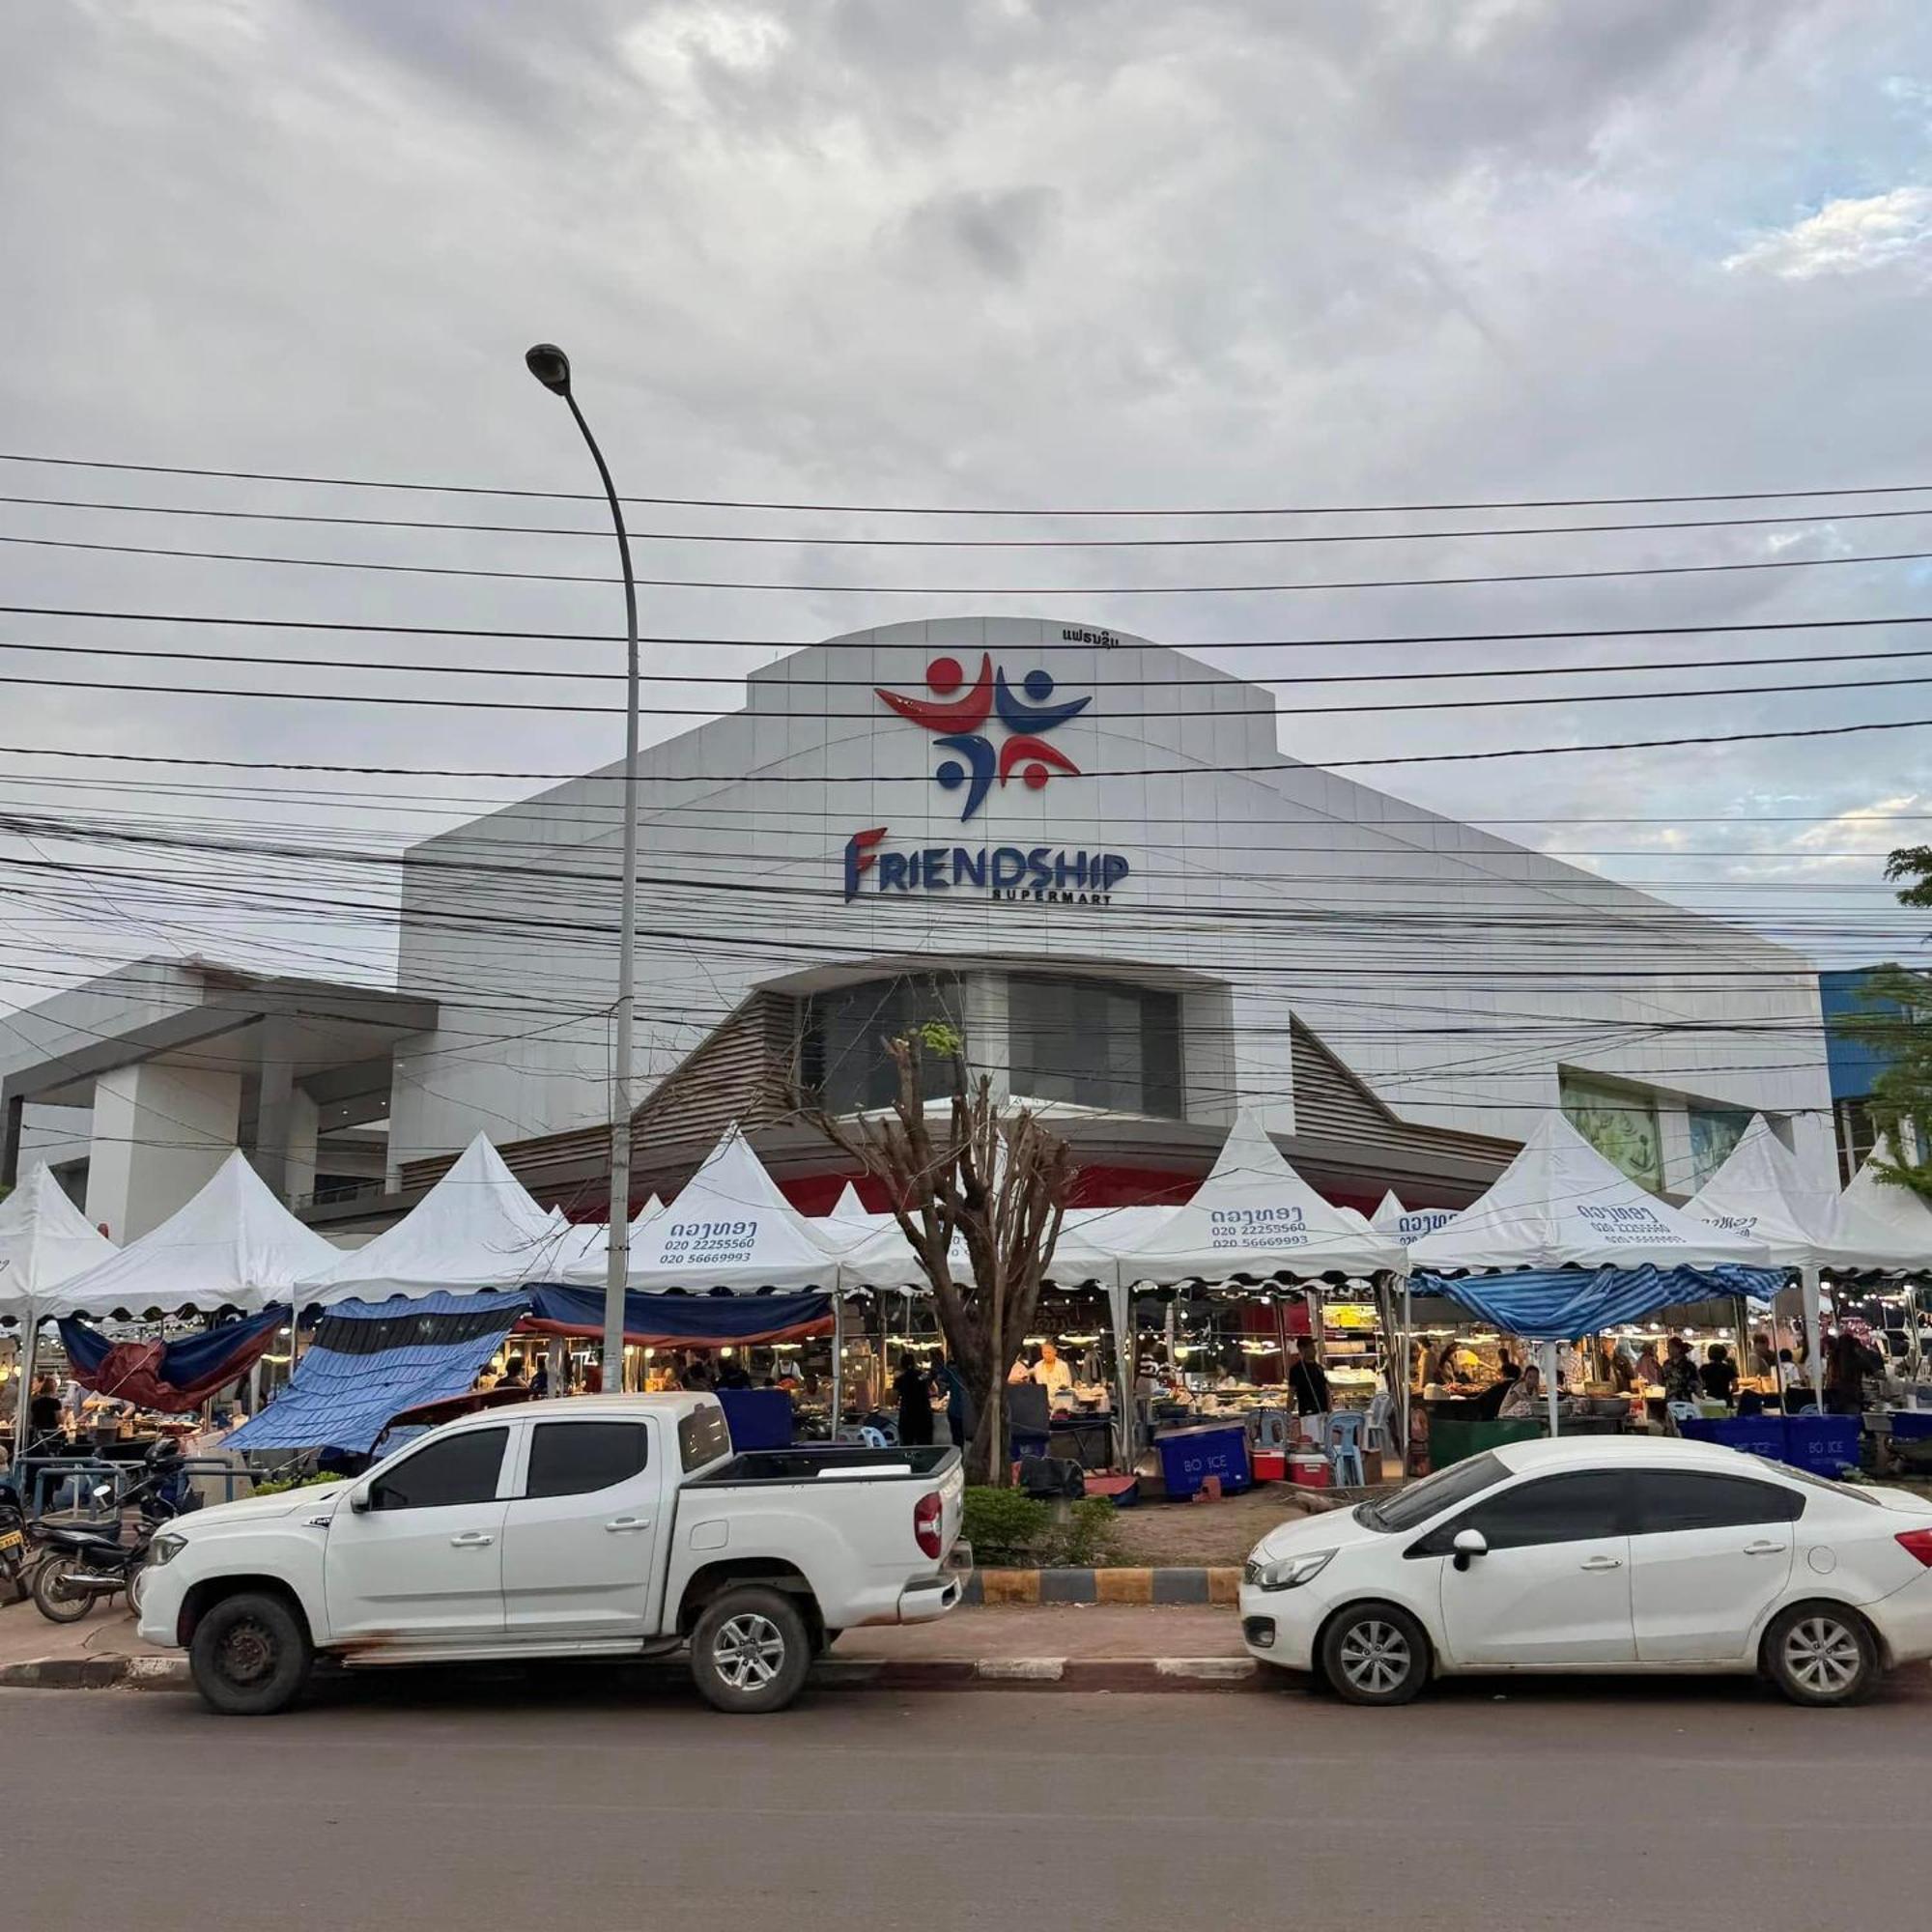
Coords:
1760,1191
1256,1232
45,1241
1564,1246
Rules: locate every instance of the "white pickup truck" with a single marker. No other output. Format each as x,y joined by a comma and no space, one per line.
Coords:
598,1526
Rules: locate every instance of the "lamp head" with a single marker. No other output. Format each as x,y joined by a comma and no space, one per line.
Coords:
551,366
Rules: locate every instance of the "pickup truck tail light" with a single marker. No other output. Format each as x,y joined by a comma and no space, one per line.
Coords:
1919,1542
927,1510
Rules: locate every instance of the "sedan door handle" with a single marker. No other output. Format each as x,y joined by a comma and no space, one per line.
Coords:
1605,1563
623,1522
472,1539
1764,1548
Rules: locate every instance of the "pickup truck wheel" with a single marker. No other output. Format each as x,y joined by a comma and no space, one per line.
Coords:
250,1656
750,1652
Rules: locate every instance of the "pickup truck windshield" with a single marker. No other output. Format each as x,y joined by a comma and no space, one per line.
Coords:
702,1436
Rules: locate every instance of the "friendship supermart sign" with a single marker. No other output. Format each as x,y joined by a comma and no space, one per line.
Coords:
992,731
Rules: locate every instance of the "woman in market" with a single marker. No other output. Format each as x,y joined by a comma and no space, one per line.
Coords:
914,1384
1649,1369
1520,1403
1847,1363
1719,1374
1681,1380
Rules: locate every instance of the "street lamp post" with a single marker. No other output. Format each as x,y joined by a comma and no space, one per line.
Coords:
551,366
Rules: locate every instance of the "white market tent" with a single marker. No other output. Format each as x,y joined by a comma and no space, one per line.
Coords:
851,1219
477,1228
1255,1219
234,1245
1762,1192
730,1228
1560,1204
1407,1224
45,1241
1877,1203
587,1244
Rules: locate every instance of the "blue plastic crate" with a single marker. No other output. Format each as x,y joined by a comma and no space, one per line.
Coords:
1189,1457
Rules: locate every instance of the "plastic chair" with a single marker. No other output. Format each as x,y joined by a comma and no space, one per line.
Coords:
1681,1413
1379,1432
1272,1429
865,1436
1341,1442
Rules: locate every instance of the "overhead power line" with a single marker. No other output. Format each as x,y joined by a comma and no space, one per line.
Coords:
528,705
1283,765
1751,627
479,572
955,510
814,541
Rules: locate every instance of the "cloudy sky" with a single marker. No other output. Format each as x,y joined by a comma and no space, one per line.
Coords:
1091,253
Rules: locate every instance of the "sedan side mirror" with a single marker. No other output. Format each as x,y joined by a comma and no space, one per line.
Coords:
358,1501
1470,1543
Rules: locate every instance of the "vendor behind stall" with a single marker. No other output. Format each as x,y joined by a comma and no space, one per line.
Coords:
1308,1381
1049,1371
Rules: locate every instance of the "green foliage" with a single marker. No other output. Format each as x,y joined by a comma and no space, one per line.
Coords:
942,1037
1011,1531
1006,1528
295,1483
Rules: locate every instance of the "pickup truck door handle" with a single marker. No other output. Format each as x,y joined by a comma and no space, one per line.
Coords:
1605,1563
623,1522
472,1539
1764,1548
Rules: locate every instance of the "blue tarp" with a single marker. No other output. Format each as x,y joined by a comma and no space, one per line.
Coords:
682,1321
1566,1304
369,1361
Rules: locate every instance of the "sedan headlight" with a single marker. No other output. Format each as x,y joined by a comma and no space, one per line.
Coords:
165,1548
1287,1573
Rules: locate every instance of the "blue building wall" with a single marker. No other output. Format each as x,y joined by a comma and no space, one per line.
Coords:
1854,1066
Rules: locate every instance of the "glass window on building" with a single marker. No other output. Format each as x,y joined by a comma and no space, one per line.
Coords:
843,1058
1620,1123
1095,1043
1714,1131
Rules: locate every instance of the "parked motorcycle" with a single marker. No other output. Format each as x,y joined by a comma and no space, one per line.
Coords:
14,1553
82,1565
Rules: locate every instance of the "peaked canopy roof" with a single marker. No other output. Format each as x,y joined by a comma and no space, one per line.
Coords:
1876,1202
233,1246
729,1228
1762,1192
1255,1217
1560,1204
477,1228
584,1243
44,1241
1407,1224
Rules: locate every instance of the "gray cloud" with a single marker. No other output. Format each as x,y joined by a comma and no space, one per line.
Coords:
1126,251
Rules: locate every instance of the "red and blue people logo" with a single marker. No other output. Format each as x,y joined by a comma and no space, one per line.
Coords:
958,715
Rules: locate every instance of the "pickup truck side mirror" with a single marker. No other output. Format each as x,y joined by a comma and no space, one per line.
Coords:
358,1501
1469,1543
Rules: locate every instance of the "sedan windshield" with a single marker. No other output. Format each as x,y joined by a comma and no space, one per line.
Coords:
1448,1489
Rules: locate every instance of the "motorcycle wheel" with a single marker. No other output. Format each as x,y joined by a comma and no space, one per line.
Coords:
52,1597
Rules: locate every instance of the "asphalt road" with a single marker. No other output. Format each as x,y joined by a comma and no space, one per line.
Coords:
577,1803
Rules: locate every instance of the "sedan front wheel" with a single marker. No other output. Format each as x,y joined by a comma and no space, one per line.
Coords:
1375,1653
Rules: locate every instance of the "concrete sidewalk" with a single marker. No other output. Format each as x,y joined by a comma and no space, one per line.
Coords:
1081,1647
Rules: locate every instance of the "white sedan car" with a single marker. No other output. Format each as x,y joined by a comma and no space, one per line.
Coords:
1601,1554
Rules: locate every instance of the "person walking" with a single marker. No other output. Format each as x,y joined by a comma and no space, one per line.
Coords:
952,1384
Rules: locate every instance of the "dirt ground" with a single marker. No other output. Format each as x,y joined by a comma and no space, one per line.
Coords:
1164,1534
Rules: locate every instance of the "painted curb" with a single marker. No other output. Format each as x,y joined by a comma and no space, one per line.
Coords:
911,1674
992,1589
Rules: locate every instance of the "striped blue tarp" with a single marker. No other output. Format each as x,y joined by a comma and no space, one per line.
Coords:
369,1361
1566,1304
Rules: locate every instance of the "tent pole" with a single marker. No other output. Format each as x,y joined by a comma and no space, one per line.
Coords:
1120,1309
29,1337
1815,1333
838,1360
1548,1353
1408,1353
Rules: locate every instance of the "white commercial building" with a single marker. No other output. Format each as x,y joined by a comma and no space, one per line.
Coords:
1087,851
